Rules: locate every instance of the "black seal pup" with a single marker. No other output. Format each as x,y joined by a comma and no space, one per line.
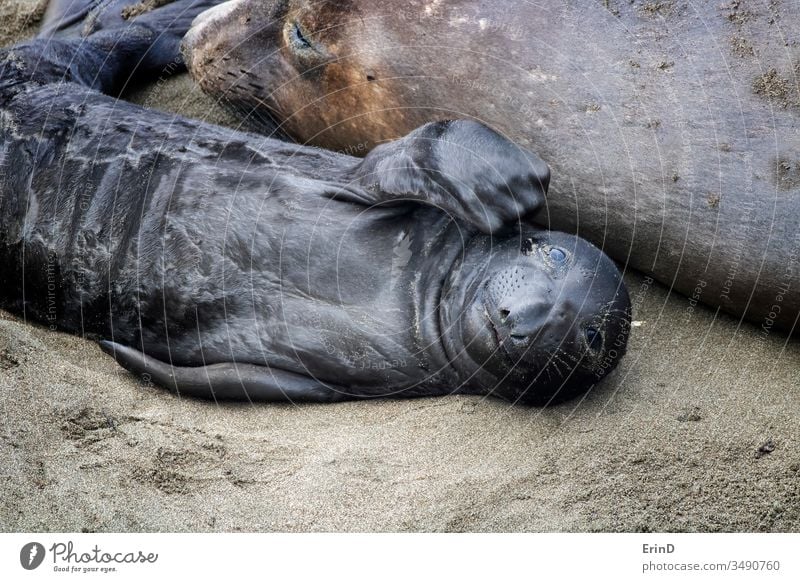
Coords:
226,265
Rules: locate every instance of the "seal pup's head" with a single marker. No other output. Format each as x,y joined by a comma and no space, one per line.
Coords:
536,317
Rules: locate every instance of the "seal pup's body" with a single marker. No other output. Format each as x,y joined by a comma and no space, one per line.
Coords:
227,265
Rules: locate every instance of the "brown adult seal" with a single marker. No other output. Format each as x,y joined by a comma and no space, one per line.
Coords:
671,128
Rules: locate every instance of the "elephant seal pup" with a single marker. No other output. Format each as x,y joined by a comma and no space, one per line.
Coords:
225,265
672,128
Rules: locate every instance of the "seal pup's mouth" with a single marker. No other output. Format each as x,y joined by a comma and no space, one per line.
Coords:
498,338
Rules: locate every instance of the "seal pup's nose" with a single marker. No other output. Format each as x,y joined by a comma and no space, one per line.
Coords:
523,321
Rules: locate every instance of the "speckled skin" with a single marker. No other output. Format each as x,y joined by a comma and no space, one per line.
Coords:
226,265
671,127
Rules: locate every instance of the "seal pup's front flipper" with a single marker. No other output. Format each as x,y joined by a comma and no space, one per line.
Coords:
227,381
463,167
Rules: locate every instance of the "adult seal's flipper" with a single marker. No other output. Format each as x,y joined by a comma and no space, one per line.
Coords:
228,381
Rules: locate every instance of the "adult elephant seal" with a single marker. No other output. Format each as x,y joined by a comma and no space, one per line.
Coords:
225,265
671,127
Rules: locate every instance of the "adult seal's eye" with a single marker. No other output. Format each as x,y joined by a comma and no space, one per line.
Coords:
299,41
558,256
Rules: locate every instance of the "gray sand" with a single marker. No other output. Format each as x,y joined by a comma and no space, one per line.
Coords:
697,431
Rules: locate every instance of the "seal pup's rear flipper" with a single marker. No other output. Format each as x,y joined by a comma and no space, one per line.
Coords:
64,17
145,35
108,44
71,18
228,381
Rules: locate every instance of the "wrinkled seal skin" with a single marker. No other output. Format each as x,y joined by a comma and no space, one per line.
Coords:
671,127
226,265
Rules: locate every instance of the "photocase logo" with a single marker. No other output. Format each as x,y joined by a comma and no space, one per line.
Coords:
31,555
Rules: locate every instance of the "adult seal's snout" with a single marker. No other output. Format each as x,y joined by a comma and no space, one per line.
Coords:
202,27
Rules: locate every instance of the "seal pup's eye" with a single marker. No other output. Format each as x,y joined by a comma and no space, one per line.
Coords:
594,339
558,256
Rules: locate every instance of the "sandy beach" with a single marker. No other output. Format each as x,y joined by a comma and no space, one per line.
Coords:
696,431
